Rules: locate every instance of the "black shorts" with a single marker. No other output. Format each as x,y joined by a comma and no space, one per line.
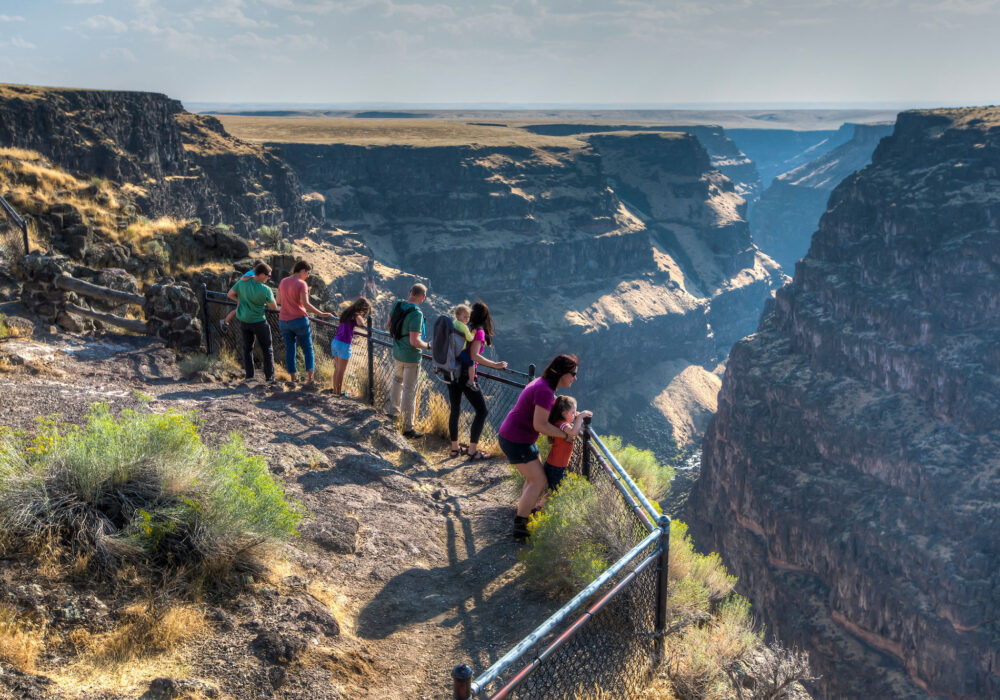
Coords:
518,452
554,475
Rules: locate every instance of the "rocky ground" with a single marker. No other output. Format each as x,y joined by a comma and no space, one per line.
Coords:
403,568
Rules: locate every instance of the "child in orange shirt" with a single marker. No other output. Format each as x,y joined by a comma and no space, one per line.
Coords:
564,416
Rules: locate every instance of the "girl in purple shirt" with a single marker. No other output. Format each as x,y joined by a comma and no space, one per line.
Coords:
520,429
350,318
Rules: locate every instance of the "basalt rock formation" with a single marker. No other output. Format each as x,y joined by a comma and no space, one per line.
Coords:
851,477
180,164
789,210
726,157
595,249
776,151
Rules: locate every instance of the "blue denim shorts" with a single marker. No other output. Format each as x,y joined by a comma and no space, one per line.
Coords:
518,452
340,349
553,475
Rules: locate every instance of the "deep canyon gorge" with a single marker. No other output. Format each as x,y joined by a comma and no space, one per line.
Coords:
850,477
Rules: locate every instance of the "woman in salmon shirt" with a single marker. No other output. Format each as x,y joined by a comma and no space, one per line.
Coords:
293,319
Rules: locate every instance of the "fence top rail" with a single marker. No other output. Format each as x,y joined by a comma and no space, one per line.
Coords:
651,510
518,651
13,214
626,494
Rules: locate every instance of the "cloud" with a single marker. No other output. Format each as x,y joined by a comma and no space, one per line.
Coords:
11,18
317,7
85,2
103,23
231,12
18,43
301,21
274,45
118,55
961,7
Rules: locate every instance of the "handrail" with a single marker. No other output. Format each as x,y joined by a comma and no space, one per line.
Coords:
490,674
21,224
572,629
639,511
650,509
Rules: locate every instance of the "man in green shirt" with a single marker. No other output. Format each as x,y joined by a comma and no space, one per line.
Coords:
253,297
407,342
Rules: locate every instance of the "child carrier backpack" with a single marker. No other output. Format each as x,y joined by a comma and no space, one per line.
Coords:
396,319
446,345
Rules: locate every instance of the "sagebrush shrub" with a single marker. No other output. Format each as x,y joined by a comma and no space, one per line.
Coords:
651,475
141,487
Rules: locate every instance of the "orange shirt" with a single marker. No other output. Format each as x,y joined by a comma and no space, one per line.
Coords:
562,449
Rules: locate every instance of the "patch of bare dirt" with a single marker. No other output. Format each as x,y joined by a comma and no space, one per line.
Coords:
403,569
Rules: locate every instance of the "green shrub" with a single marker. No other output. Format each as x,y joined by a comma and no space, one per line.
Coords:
141,488
649,473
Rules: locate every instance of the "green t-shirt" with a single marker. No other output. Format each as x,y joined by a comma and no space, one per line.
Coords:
414,321
254,298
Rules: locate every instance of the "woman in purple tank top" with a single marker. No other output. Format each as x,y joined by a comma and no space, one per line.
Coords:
520,429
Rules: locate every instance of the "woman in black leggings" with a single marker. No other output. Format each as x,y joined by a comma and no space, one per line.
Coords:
481,326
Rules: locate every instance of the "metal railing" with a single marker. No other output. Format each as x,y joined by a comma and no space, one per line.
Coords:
371,379
609,636
13,234
607,639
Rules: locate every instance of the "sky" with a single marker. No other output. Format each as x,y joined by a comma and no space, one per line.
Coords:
518,52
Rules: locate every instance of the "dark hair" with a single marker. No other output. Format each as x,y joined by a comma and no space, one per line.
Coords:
562,364
300,266
358,306
262,269
480,318
559,408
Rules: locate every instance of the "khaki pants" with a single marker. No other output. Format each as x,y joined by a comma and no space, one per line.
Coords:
404,386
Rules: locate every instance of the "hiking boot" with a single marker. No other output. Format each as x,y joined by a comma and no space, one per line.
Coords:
520,531
412,434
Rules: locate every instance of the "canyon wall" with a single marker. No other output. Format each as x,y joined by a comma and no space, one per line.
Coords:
629,249
180,164
851,477
789,210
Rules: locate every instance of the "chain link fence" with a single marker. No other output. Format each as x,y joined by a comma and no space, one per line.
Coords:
371,370
13,235
604,643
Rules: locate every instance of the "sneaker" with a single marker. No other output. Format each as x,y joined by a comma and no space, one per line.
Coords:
412,434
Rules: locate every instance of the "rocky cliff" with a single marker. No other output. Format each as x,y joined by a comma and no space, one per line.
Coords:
611,247
776,151
182,164
851,478
725,156
788,212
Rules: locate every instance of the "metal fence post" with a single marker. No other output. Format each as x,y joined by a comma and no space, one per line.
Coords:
204,318
461,677
662,571
531,372
371,362
24,236
585,466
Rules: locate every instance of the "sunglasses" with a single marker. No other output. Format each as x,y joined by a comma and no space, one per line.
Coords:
573,373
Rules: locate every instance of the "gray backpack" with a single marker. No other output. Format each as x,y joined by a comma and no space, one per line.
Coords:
446,345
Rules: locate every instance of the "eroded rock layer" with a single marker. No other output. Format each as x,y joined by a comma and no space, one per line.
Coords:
629,249
181,164
851,478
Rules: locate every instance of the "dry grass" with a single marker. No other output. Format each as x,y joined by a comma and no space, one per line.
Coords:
432,417
144,230
325,369
146,630
21,641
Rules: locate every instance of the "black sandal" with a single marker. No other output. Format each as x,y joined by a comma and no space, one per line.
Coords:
479,456
455,453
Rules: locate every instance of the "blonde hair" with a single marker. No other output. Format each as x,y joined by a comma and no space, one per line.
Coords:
462,309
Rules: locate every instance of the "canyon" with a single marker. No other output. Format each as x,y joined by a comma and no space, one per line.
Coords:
788,211
850,478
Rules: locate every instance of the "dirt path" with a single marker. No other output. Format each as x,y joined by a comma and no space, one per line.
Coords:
409,549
